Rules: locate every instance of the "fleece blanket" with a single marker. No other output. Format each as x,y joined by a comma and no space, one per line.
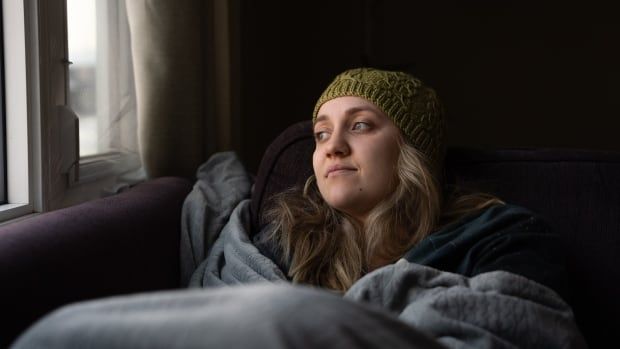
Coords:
404,304
493,309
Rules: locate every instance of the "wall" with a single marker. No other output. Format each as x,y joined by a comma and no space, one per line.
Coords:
289,53
510,74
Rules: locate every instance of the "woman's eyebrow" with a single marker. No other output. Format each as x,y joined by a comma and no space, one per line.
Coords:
320,118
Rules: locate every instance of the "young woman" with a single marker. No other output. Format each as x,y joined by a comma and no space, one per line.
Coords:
410,264
377,195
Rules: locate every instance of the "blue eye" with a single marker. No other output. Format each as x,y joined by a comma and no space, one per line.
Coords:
360,126
320,135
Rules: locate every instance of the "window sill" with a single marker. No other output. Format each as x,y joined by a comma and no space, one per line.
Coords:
97,167
13,212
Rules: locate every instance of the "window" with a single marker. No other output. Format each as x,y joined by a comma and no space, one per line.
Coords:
20,149
71,118
100,77
82,39
99,92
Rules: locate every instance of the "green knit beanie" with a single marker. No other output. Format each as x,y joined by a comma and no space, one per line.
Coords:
412,106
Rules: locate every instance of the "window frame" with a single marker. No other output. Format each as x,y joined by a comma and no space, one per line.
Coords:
21,107
94,174
3,181
36,68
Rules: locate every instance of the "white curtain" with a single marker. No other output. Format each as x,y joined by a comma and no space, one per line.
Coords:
117,103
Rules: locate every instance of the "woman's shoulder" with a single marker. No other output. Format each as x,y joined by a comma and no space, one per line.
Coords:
497,216
502,237
492,221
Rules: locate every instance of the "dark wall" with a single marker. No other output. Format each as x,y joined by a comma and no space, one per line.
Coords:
290,50
510,74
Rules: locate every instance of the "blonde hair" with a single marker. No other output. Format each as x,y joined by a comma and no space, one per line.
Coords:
328,248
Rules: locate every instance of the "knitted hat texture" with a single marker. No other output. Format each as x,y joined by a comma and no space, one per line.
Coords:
413,107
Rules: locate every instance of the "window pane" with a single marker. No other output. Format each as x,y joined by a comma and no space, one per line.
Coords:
82,41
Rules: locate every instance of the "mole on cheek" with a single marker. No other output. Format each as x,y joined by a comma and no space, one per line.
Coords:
360,189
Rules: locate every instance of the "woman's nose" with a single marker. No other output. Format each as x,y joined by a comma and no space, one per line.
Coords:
337,145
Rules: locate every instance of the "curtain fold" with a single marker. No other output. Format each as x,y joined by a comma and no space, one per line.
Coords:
168,56
117,104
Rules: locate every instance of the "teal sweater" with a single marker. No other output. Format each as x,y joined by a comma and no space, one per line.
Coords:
503,237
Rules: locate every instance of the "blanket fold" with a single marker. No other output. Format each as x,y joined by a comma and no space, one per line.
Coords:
222,183
490,310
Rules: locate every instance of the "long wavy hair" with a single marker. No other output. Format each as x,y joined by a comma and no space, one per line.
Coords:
328,248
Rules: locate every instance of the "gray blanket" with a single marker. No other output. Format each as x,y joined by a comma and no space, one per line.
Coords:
495,309
222,183
403,305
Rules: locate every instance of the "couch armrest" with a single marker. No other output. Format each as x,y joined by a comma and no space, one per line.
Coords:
116,245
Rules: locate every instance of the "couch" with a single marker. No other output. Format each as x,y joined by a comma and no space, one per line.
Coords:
129,242
120,244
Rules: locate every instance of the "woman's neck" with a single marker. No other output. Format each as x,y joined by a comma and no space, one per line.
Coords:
379,259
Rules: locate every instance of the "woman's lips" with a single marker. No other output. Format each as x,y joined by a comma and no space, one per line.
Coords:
339,169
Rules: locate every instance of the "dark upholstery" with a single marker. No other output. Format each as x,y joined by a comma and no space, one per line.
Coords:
578,191
116,245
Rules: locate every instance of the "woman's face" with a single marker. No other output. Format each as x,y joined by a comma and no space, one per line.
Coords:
356,154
